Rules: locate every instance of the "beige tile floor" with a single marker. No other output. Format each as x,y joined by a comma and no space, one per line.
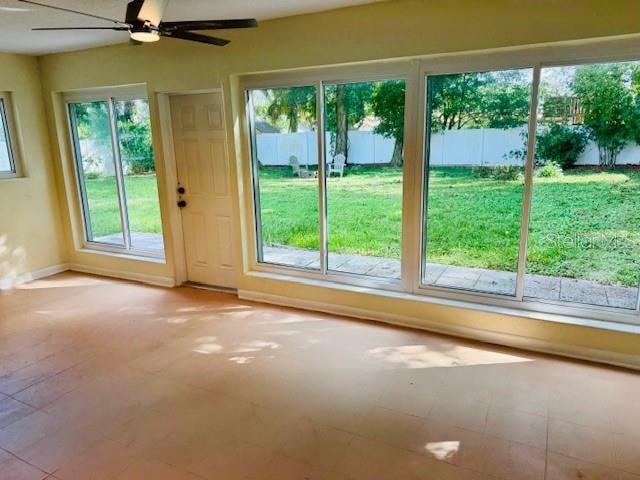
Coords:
103,379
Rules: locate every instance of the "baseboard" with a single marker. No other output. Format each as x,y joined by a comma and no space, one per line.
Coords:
509,340
136,277
10,281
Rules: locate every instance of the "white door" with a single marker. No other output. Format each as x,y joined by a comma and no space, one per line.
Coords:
203,172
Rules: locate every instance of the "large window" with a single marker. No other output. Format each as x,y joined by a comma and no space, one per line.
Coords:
584,232
521,185
285,149
476,135
364,125
7,143
116,173
344,216
557,223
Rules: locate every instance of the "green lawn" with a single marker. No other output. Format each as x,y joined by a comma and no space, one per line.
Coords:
585,224
142,204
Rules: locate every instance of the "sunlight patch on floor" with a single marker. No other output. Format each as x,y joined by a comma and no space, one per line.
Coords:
421,356
443,450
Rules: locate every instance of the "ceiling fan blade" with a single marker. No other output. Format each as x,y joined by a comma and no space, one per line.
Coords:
119,29
196,37
68,10
152,11
210,24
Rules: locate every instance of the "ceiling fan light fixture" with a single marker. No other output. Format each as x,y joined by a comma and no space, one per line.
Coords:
144,34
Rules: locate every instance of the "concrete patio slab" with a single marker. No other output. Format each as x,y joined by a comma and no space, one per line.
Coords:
540,287
139,240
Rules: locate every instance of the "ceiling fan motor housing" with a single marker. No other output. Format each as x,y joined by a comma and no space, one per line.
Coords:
133,9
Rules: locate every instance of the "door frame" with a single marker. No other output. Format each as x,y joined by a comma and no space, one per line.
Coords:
171,175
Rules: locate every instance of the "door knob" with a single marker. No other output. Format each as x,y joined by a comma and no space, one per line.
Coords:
182,203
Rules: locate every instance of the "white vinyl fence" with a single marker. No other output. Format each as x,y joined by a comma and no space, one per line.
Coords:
468,147
364,148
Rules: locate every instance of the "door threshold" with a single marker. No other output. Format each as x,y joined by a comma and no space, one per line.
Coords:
213,288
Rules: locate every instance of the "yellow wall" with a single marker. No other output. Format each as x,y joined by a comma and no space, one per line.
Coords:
377,31
30,228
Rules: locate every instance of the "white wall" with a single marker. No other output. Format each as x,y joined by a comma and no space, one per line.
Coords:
478,146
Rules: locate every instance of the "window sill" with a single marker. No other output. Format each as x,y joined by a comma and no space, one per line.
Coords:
127,256
12,176
577,320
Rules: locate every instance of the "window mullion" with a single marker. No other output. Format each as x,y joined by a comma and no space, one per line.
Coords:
115,141
413,170
255,174
322,179
528,183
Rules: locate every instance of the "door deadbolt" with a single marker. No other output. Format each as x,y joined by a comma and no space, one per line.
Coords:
181,190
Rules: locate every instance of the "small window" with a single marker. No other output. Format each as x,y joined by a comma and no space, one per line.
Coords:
7,149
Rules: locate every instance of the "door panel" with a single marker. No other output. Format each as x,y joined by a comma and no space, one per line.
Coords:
203,170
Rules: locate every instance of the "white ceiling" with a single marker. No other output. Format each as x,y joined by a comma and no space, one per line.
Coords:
17,19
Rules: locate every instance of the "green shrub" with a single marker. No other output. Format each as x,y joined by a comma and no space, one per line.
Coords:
482,172
93,175
499,172
507,172
561,144
549,170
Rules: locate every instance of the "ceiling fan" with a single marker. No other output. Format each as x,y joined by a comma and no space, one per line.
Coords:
143,21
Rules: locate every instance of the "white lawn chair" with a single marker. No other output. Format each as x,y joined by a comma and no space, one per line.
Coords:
337,166
300,170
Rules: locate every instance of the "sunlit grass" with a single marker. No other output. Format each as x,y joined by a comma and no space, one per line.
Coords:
585,224
142,204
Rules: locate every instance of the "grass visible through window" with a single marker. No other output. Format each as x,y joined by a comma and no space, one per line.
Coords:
584,224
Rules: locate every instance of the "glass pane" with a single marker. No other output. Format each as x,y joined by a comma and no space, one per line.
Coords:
285,150
584,231
95,159
139,168
364,140
6,159
476,139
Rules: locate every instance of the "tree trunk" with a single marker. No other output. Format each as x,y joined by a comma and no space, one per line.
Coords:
608,157
396,158
602,153
293,122
342,128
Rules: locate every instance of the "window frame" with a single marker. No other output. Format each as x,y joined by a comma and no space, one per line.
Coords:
110,97
421,286
399,70
415,71
11,135
546,58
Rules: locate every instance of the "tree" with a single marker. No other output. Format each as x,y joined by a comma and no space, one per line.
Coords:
506,99
608,94
92,120
134,134
387,103
346,106
475,100
294,104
